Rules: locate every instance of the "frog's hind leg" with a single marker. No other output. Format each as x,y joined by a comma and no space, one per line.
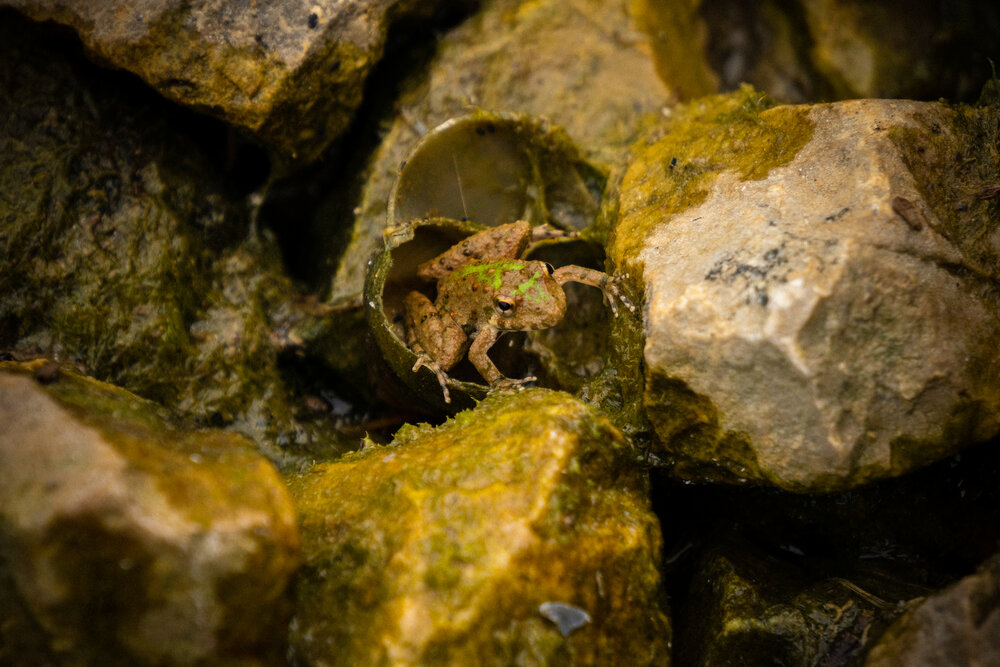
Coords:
598,279
437,340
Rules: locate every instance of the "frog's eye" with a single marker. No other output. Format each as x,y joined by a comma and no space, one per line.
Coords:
504,306
548,267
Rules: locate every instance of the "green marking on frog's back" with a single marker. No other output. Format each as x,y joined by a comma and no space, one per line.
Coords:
492,273
529,289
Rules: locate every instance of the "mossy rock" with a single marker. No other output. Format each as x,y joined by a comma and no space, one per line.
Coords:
441,547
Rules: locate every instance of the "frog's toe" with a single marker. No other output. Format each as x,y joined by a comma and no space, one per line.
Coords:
513,384
432,366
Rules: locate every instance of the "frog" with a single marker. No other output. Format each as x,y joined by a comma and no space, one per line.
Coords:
484,289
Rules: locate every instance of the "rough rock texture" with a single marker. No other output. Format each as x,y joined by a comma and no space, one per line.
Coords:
958,626
746,607
123,252
583,64
126,539
821,286
812,50
290,72
441,547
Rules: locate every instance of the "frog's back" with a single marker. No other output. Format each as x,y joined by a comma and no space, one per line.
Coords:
501,242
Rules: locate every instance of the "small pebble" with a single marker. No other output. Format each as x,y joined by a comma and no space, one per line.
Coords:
566,617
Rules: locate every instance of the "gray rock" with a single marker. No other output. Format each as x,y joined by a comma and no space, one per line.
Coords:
958,626
290,72
823,311
126,539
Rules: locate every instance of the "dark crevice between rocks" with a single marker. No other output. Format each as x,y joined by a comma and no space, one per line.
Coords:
311,211
739,38
241,163
906,537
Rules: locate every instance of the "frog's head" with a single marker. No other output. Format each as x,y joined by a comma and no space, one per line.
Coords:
529,298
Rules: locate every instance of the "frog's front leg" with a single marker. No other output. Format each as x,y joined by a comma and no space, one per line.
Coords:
478,355
436,339
598,279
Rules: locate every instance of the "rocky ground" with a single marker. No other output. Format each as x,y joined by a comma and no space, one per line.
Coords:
217,445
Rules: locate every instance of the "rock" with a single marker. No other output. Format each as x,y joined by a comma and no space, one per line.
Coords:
442,547
821,287
958,626
927,51
128,539
125,255
822,50
749,608
678,33
582,64
291,73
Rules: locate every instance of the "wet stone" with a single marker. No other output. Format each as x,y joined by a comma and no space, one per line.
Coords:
450,545
291,73
128,539
805,327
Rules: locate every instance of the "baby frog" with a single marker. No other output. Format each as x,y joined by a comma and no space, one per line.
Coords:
484,288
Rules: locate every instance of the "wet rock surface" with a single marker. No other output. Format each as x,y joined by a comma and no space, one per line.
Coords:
441,547
157,246
959,625
291,73
825,316
128,255
128,539
820,50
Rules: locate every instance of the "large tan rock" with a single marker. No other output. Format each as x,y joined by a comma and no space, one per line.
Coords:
517,533
290,72
821,287
125,539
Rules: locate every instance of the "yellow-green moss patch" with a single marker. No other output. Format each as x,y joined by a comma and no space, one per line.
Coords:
439,548
741,132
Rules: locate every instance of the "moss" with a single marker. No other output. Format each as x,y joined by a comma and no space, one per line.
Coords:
741,132
113,576
125,254
767,610
678,39
154,442
472,525
954,156
682,416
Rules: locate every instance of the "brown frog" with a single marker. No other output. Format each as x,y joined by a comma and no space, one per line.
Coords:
485,289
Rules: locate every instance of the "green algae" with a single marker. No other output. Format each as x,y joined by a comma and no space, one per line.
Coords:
954,156
112,576
673,169
433,522
155,442
682,416
677,37
126,254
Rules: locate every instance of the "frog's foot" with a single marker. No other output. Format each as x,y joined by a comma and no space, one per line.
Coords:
515,384
547,231
612,292
432,366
